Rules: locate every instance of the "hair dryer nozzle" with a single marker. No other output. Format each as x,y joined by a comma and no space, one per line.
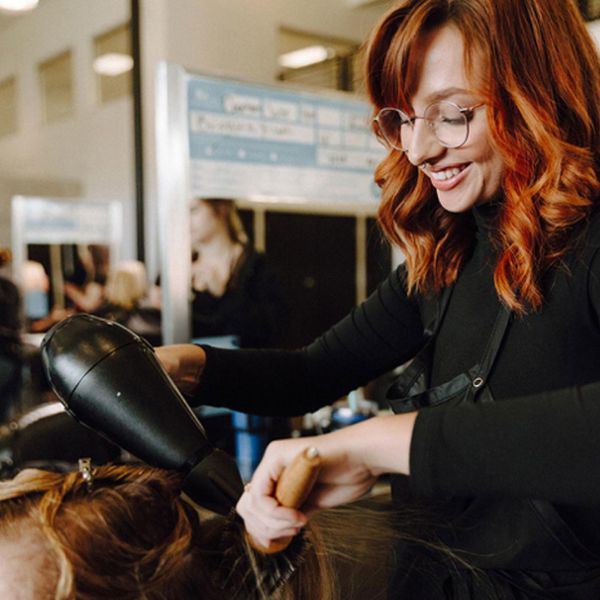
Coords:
109,379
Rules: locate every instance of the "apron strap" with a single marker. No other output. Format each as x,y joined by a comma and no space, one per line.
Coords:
441,310
492,347
408,392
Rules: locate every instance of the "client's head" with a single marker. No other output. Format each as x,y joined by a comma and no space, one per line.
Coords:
126,536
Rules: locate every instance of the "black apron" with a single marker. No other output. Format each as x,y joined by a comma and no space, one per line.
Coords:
515,548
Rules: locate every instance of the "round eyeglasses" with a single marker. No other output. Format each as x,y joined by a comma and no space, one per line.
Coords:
448,121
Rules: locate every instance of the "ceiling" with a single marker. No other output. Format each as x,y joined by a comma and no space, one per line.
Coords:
7,18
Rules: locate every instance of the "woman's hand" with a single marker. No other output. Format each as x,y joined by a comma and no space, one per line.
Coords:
184,363
352,459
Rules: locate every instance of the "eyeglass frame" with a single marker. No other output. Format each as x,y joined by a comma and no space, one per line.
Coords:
465,111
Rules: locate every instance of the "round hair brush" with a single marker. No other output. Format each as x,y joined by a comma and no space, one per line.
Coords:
293,488
264,569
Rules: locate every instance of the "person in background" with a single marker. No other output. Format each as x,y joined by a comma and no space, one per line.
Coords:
11,346
35,286
125,298
234,292
23,310
490,110
85,288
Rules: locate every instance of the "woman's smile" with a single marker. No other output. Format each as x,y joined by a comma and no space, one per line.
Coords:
470,174
446,178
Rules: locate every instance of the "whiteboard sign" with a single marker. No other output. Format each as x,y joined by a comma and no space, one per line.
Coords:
49,221
258,142
54,221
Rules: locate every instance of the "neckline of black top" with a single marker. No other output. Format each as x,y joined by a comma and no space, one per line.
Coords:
485,215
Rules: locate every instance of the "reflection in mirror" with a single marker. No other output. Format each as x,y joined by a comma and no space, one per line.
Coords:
62,249
59,279
235,294
218,241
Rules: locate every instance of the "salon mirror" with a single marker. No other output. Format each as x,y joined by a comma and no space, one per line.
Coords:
62,251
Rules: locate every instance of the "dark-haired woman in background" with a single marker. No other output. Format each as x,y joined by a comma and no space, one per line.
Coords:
11,346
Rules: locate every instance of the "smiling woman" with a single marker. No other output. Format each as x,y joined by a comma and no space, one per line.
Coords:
527,137
491,111
452,142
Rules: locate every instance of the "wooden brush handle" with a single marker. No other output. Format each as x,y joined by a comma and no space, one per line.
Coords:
298,478
293,488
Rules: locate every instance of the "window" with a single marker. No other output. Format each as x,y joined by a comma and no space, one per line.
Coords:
56,81
317,61
8,106
113,63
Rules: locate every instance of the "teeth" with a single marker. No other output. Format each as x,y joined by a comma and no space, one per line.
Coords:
442,175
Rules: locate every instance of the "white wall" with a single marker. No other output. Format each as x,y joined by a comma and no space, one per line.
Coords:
89,153
594,28
239,38
232,38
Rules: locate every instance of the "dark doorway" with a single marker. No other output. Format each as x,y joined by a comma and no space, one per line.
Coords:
379,255
315,256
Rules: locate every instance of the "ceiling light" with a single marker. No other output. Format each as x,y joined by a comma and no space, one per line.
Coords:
113,63
18,5
305,56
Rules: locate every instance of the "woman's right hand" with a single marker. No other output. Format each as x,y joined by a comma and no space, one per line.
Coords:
184,363
351,461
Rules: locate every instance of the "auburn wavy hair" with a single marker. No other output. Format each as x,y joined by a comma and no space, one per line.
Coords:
131,536
128,537
539,75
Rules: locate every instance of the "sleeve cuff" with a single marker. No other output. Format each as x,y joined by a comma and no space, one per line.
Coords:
428,422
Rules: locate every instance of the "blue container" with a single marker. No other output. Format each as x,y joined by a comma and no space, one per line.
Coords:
251,439
36,304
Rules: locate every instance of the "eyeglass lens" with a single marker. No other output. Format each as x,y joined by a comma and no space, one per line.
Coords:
448,123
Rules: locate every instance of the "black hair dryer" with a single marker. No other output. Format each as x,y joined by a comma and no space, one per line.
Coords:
109,379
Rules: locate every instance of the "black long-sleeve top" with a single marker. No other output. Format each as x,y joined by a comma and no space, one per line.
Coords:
252,307
541,439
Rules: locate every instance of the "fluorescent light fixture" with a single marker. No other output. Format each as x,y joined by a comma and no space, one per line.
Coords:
18,5
113,63
303,57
